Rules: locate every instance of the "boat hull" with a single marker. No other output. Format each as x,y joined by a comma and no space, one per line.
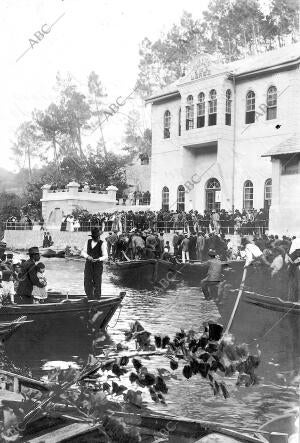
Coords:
258,316
196,271
151,427
142,272
71,317
51,253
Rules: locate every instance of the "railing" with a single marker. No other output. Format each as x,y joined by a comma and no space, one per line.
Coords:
88,191
19,226
254,228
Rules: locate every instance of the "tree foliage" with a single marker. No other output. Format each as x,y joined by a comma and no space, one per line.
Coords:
137,141
230,28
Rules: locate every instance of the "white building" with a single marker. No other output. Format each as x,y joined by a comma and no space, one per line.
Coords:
211,128
56,204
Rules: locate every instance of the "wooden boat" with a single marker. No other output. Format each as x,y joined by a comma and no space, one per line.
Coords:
197,270
63,424
65,428
7,328
139,272
50,253
73,315
283,426
258,314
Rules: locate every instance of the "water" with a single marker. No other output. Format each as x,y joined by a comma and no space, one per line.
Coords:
180,307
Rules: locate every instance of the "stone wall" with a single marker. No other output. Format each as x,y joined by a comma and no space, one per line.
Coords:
19,240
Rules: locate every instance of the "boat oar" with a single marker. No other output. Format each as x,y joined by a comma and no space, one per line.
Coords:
236,302
128,259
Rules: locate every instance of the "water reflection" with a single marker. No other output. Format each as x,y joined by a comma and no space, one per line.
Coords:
180,307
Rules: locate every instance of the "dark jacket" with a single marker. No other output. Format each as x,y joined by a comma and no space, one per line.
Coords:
28,279
214,272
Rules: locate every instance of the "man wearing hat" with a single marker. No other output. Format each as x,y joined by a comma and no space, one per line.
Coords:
95,253
214,274
28,277
9,260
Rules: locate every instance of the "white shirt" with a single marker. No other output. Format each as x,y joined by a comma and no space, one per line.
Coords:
252,251
295,245
93,244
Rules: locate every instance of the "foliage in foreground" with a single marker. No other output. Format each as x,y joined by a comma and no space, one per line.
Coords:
118,382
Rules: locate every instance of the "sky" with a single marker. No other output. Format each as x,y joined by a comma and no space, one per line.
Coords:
89,35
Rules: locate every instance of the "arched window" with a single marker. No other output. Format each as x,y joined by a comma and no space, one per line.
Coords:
189,122
250,107
228,108
248,195
212,108
165,198
213,194
201,110
167,124
179,122
180,198
272,103
268,193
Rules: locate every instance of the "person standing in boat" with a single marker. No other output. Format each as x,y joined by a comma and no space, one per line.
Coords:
95,253
253,253
214,274
28,277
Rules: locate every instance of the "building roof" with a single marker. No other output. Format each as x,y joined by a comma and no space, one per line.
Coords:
268,59
288,146
276,58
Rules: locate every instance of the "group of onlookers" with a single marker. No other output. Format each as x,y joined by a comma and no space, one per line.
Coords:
244,222
137,244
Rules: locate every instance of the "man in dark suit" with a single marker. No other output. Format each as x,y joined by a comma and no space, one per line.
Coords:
95,253
28,277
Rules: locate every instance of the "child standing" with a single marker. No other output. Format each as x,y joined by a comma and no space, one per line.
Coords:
7,292
40,294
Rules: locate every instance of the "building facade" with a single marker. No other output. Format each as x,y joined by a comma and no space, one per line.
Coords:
211,128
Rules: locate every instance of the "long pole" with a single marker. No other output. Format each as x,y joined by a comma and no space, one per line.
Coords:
236,302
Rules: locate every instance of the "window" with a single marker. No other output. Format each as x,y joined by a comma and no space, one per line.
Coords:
272,103
179,122
228,108
212,108
290,164
268,193
189,123
144,159
212,194
167,124
250,107
201,110
165,199
248,195
180,198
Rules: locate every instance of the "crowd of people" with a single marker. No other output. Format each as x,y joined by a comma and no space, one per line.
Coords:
23,277
137,244
224,222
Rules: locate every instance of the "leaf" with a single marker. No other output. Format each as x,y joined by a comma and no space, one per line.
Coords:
224,390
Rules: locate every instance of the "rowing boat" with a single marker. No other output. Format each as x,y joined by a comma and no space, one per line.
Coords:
152,428
197,270
74,315
259,314
51,253
64,424
141,272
